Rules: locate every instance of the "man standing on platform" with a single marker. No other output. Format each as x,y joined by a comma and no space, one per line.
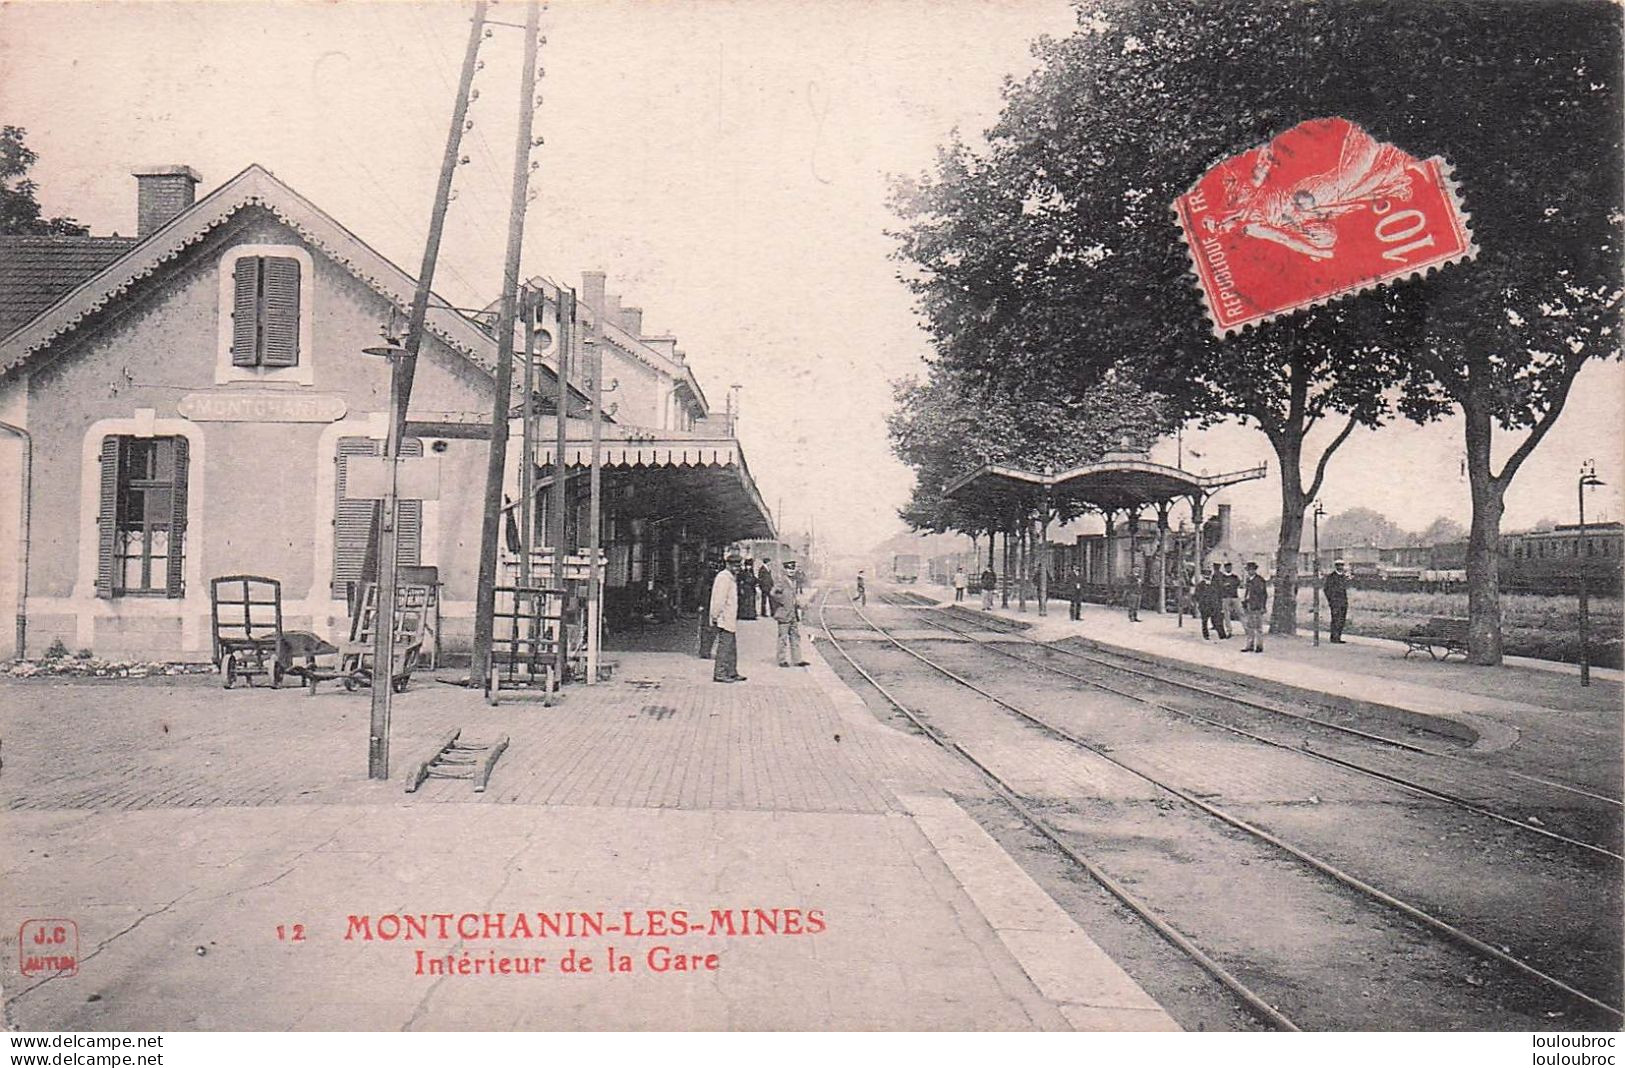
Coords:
764,584
1132,594
1337,597
1217,584
1231,592
725,617
959,583
1255,599
990,586
1207,603
787,611
1076,591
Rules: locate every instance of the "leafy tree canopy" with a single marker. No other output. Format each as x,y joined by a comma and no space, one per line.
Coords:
19,206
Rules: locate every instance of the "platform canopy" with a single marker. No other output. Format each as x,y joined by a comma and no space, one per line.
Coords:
1120,482
697,480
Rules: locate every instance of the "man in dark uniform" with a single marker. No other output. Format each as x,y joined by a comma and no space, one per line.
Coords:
1131,596
764,585
1219,583
1207,602
1076,592
1337,598
990,586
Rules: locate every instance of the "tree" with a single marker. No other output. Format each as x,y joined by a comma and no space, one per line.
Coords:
1442,531
1360,526
19,208
1049,256
948,425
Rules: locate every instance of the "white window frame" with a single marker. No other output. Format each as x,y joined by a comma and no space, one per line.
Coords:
304,372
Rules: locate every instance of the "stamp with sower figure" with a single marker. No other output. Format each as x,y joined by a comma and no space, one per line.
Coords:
1322,211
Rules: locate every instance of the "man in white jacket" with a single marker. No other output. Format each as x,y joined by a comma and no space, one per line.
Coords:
725,618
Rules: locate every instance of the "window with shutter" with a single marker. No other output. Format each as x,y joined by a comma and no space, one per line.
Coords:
352,519
141,525
279,319
265,312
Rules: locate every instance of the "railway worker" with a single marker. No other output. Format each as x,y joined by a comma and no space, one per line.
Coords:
764,585
1255,599
1337,598
1208,602
862,596
1231,594
959,583
990,586
1132,595
1075,597
724,613
1217,584
787,612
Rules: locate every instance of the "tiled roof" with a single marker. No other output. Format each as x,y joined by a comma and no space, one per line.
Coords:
36,272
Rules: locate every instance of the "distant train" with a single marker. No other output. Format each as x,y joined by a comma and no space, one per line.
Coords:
1544,562
905,567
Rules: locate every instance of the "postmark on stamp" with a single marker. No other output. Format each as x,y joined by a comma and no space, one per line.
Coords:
1322,211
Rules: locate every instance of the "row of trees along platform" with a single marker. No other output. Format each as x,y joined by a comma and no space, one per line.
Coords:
1046,262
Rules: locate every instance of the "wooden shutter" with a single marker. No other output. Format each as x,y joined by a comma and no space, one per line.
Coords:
107,519
245,317
280,312
352,520
409,517
175,586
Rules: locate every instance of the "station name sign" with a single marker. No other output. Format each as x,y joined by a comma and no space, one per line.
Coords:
262,407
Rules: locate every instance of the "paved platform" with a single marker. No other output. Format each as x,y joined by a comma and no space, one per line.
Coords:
216,853
1531,712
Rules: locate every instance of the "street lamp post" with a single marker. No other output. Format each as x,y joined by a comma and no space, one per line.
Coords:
1319,510
1588,477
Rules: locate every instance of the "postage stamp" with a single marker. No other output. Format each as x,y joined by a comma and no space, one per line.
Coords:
1322,211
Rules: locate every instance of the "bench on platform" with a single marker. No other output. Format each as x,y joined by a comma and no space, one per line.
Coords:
1439,633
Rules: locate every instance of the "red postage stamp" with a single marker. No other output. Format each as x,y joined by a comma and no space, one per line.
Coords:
1322,211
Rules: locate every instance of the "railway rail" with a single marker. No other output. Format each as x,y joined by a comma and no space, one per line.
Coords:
1256,1002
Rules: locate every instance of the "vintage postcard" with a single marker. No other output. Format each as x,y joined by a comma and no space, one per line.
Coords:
1095,516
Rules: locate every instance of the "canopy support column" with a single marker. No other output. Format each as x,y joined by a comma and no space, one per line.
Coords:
1162,556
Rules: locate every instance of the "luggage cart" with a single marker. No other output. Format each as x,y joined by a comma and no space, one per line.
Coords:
245,612
354,667
527,624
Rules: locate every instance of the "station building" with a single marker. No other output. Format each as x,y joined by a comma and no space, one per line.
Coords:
184,404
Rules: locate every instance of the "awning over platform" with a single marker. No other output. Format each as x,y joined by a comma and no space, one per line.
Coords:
701,483
1114,484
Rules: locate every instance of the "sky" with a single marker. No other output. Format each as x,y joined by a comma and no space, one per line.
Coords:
725,161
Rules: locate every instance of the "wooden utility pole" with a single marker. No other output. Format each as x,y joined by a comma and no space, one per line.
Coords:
491,528
595,573
401,372
561,467
529,304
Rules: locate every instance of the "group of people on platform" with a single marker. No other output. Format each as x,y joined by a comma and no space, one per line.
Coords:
740,591
1220,597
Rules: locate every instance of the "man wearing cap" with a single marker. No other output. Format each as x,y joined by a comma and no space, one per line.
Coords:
764,585
787,611
1337,598
1255,598
725,617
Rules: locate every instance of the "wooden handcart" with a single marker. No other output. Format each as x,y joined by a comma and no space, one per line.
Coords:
527,625
245,612
353,667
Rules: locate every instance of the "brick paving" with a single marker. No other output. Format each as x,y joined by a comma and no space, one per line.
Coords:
179,825
660,735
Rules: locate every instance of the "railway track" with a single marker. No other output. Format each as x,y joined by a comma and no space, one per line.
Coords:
1002,757
1607,807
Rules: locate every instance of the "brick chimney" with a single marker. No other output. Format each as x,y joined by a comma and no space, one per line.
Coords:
632,321
592,290
163,193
